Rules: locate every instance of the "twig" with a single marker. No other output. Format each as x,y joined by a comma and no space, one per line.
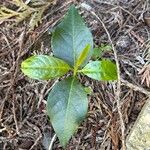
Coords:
43,90
39,136
140,39
41,95
15,68
51,143
20,40
3,129
55,82
14,114
118,82
130,15
135,87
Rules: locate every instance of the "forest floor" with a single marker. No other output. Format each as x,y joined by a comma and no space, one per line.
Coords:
23,120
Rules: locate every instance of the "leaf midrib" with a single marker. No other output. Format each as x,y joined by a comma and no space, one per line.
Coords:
90,71
45,68
73,33
66,115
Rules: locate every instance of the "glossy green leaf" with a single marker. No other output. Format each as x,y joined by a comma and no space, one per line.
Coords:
67,106
70,37
101,70
44,67
99,51
81,58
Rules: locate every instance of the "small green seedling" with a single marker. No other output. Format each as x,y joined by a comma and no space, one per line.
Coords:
72,45
99,51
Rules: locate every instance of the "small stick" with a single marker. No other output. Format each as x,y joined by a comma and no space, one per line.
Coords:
14,114
118,82
51,143
135,87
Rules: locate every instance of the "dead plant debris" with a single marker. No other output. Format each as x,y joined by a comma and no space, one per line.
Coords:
23,122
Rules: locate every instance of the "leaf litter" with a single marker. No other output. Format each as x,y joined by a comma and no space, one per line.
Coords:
22,125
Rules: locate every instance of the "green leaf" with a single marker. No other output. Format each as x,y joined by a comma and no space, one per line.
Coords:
99,51
67,106
44,67
81,58
101,70
70,37
88,90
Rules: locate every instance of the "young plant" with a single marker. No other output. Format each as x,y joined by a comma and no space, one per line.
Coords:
72,45
99,51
